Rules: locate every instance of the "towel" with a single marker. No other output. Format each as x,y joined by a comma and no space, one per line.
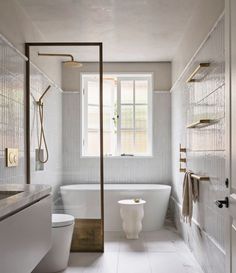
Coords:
190,195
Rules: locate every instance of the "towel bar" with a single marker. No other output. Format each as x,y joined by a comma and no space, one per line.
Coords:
184,160
200,178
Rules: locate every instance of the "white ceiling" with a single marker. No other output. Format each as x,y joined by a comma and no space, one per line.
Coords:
131,30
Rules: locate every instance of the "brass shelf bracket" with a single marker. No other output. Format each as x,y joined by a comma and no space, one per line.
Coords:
194,77
202,123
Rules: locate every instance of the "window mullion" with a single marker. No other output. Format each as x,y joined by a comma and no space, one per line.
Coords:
120,117
134,117
85,118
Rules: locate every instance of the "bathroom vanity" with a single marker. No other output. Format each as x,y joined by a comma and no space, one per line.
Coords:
25,226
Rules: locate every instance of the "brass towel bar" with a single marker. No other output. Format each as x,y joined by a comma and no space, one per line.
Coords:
200,178
182,160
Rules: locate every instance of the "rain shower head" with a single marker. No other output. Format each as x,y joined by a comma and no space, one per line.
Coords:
71,63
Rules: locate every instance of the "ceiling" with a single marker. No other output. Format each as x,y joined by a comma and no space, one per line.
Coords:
131,30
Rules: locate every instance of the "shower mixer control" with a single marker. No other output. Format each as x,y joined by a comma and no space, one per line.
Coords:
12,157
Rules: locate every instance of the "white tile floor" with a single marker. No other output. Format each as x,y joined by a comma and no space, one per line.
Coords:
155,252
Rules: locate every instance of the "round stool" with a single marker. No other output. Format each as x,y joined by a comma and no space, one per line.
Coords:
132,212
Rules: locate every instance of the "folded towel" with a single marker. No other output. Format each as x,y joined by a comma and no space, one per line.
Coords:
190,195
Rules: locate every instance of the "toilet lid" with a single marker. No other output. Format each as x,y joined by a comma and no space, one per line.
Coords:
62,220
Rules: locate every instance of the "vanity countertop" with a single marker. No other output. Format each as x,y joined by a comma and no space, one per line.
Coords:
17,196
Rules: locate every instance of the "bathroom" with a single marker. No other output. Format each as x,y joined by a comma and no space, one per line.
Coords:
117,141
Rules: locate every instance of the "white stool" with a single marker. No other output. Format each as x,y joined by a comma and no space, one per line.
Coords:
132,212
57,257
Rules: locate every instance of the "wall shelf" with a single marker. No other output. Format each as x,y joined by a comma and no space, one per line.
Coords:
202,123
196,75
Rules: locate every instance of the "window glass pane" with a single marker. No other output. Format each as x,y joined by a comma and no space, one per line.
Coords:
126,116
108,115
141,116
108,92
93,117
133,133
127,92
141,91
108,140
127,142
93,144
93,92
141,141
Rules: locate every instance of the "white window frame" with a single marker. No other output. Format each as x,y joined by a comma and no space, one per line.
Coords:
120,76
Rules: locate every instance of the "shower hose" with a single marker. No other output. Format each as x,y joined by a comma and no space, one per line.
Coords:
42,138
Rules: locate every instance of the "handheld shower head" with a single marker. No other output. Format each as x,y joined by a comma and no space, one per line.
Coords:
40,99
71,63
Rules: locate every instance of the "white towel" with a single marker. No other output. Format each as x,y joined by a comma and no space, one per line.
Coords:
190,195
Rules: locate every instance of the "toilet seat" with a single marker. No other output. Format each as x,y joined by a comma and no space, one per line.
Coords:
62,220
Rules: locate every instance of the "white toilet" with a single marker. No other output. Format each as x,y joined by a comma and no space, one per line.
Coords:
57,257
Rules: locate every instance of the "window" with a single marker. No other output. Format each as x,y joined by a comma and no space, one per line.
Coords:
127,115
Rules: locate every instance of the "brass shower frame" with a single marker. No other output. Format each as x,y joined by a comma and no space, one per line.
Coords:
86,223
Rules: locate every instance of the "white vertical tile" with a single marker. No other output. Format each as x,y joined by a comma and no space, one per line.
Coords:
206,151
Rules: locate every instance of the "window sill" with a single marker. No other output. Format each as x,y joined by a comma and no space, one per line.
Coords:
118,157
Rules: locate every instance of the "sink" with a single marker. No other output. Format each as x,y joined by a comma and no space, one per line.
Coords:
6,194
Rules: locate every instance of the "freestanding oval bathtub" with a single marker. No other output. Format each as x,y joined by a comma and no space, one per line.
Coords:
83,201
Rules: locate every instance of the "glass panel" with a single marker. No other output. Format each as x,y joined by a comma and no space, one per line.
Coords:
127,142
127,116
141,91
93,92
141,116
127,95
93,117
93,143
141,141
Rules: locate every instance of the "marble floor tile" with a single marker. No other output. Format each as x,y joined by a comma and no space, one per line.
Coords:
133,262
161,241
160,251
166,263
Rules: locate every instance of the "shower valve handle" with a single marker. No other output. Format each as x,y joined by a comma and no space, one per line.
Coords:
221,203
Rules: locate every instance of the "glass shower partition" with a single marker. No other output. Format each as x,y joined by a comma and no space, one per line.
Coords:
80,190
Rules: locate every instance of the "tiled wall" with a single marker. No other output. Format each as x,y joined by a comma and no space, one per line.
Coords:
142,170
205,153
52,172
12,67
12,107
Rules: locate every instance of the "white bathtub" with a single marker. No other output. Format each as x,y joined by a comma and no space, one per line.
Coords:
83,201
